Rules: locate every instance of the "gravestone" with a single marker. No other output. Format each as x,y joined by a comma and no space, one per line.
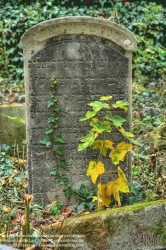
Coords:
90,58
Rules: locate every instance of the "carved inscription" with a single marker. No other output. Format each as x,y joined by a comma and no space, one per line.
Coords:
85,69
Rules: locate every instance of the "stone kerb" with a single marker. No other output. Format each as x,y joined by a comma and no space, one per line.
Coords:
89,57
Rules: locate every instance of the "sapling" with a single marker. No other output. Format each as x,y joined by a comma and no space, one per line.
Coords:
102,121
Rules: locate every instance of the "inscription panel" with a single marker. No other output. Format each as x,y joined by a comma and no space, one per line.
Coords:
85,69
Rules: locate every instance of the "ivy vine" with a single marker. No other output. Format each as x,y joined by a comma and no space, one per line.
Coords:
55,140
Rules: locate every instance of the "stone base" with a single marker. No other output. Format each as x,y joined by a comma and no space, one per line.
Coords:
136,227
12,132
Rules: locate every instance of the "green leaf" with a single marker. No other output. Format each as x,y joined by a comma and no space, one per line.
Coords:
46,142
52,102
98,105
53,172
116,119
55,126
48,130
88,115
13,213
57,109
62,163
87,140
67,192
56,209
99,126
52,119
59,138
58,151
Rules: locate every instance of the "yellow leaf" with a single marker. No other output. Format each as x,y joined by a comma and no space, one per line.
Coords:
104,199
54,202
121,174
10,179
124,146
120,184
127,134
2,236
120,152
18,160
15,171
97,144
3,182
94,170
103,146
94,198
6,209
105,98
86,212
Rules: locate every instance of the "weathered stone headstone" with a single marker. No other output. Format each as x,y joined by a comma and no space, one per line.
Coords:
89,58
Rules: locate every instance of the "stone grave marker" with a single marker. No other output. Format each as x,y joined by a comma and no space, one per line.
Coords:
90,58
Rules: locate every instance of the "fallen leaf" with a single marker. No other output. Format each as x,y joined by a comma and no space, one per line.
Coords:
6,209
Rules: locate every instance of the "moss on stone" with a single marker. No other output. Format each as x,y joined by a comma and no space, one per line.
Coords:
100,229
131,208
159,229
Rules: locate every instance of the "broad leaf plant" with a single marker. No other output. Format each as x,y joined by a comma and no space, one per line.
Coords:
102,122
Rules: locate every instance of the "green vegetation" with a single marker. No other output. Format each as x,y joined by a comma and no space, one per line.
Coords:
102,124
147,21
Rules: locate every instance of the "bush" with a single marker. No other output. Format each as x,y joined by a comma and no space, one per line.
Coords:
146,20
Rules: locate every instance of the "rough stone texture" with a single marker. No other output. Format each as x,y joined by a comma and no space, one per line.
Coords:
11,131
136,227
89,58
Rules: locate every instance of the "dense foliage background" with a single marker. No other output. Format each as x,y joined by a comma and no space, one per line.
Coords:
147,20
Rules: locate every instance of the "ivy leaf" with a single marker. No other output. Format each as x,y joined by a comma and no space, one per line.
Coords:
46,142
121,105
96,105
57,109
53,119
105,98
116,119
58,151
104,199
99,126
53,172
94,170
120,152
87,140
103,146
62,163
120,184
48,130
88,115
59,138
52,102
55,126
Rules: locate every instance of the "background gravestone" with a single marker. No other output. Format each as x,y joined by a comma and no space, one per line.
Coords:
89,58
